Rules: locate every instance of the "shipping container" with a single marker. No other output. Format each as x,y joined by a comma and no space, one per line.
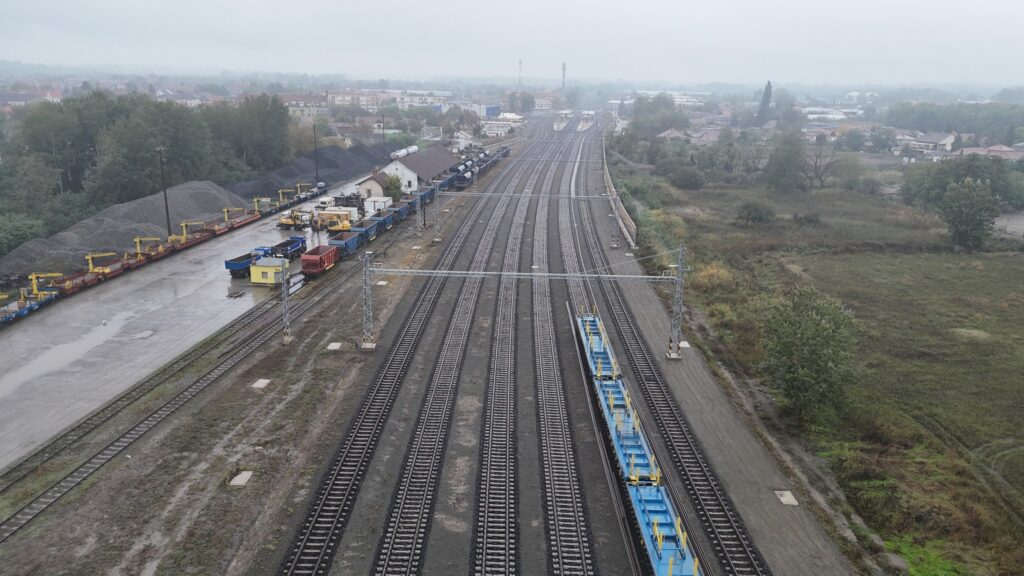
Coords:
376,204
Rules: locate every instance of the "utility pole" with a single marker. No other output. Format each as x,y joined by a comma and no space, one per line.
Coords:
316,158
285,318
367,342
615,231
675,338
163,182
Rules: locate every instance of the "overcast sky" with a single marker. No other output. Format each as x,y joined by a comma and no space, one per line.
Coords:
686,41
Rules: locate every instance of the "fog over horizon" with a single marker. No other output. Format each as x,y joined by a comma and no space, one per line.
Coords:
742,41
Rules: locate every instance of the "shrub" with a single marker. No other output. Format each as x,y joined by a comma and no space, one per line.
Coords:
712,276
809,341
18,228
752,212
811,219
686,177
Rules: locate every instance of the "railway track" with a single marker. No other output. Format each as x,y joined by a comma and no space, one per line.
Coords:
317,539
732,545
571,549
403,542
249,332
495,540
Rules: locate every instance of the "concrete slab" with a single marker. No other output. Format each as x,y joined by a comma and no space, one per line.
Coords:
334,346
241,479
382,282
786,497
63,362
261,383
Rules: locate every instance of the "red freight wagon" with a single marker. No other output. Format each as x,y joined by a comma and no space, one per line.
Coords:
320,259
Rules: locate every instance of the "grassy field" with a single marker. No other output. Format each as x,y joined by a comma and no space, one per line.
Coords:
930,450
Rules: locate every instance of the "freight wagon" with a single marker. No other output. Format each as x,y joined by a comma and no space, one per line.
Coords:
238,266
385,220
319,259
400,210
291,248
654,513
348,242
367,229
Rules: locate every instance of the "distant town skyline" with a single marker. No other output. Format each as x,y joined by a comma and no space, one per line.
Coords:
740,41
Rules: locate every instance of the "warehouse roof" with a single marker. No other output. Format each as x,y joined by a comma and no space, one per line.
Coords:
429,162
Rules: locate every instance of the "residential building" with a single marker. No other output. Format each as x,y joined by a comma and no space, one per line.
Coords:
496,129
372,186
408,177
933,141
422,168
305,105
1005,152
672,134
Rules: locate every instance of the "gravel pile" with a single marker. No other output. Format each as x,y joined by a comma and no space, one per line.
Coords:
113,229
336,165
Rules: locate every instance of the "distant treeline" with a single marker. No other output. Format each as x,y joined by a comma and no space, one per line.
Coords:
993,123
62,162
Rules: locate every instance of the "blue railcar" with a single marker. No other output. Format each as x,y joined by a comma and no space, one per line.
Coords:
659,523
400,210
238,266
367,229
411,202
465,179
291,248
427,196
348,242
385,220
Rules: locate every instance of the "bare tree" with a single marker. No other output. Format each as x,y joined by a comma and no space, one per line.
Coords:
821,161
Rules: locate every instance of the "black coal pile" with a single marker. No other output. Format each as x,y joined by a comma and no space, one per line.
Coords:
336,165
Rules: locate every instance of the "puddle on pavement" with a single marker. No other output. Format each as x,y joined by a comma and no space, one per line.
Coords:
62,355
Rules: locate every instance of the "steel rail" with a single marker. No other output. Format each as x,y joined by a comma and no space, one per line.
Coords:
317,539
403,541
570,544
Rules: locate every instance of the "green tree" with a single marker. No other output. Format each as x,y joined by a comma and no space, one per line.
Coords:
852,140
926,185
393,187
17,228
969,209
809,340
35,181
784,171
